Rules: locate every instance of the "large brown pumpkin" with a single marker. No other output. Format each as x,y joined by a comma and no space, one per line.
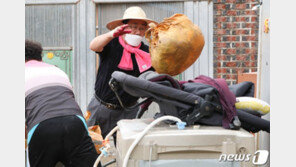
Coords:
174,44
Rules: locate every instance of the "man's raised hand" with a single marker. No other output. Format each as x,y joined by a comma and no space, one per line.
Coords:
120,30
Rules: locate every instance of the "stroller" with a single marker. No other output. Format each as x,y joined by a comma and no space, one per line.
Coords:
201,108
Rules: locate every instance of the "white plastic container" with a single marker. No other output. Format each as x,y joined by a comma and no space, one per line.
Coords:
195,146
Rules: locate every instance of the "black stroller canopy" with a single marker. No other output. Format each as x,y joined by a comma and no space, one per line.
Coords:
142,88
172,101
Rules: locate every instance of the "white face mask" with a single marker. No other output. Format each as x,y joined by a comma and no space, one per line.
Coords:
133,40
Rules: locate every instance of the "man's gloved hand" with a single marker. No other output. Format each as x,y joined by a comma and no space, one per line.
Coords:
120,30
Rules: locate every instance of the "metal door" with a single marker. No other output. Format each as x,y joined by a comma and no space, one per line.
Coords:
51,25
60,57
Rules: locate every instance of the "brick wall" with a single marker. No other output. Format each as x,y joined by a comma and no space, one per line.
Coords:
235,38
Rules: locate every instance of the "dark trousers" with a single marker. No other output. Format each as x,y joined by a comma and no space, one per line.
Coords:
107,118
63,139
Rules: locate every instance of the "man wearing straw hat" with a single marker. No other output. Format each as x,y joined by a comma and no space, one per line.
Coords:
120,49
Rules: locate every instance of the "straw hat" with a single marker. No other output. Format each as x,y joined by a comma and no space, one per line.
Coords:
133,12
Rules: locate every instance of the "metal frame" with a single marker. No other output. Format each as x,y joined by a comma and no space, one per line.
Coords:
263,73
57,48
211,47
83,63
137,1
46,2
204,65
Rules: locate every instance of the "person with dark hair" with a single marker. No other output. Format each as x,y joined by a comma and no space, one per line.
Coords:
33,51
57,131
120,49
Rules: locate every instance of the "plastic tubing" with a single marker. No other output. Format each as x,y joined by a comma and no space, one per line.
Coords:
140,136
106,138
